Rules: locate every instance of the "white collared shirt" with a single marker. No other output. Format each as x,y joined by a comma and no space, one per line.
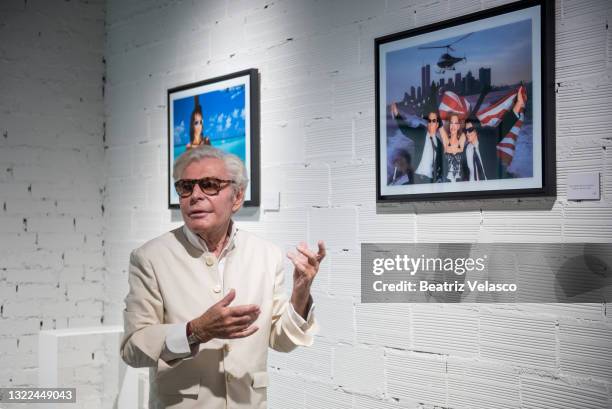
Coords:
429,155
470,151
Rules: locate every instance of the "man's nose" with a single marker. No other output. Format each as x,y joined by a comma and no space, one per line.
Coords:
197,193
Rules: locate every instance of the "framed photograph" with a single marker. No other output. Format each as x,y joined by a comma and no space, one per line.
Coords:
222,112
465,108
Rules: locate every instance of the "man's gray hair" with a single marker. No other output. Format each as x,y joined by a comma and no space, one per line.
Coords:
233,164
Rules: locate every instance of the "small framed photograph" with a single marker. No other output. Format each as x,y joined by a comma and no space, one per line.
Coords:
222,112
465,108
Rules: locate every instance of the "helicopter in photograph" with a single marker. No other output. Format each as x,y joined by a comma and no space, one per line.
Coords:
447,61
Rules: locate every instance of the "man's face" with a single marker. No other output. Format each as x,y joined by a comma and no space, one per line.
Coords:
432,123
202,213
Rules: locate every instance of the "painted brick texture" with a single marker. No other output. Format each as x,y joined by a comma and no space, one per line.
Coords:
51,175
317,121
83,181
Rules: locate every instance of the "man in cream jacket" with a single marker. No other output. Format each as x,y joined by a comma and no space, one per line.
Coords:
206,299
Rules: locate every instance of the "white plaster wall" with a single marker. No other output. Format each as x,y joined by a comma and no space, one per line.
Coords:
317,91
51,180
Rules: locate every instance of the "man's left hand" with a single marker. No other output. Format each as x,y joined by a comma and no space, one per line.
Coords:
520,102
306,264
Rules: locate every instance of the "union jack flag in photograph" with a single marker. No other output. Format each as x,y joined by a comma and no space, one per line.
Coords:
492,115
453,104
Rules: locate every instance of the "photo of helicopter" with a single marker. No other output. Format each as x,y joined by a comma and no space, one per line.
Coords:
447,61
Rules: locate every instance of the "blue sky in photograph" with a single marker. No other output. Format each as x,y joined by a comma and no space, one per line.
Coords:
505,49
224,119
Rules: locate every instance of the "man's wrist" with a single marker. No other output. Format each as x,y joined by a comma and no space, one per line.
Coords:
301,303
192,338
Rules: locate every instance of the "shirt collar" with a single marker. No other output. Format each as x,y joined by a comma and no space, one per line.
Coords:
200,244
434,137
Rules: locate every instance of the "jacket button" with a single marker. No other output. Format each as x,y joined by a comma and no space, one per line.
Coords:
210,261
229,377
217,289
227,347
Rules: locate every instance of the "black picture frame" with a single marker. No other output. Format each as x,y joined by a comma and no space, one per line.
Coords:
407,46
230,111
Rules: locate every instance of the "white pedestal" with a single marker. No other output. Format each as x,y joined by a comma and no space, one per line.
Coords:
88,360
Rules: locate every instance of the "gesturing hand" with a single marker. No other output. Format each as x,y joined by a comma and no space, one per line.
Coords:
520,101
394,110
306,264
223,321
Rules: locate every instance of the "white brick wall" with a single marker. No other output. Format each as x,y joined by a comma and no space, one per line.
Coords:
51,156
76,196
317,121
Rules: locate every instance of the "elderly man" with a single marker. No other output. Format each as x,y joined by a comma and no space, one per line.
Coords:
206,300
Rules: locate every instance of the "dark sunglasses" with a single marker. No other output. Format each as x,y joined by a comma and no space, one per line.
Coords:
432,121
470,129
210,186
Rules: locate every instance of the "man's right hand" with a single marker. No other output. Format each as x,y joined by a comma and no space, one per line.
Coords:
520,102
223,321
394,110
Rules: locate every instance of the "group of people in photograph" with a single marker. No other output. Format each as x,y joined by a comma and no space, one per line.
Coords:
460,150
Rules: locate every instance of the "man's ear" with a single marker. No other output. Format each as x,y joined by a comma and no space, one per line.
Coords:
238,200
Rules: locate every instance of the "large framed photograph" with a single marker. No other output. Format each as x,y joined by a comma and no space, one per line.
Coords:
465,108
222,112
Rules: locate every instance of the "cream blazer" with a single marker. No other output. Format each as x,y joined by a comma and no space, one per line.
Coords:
171,281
